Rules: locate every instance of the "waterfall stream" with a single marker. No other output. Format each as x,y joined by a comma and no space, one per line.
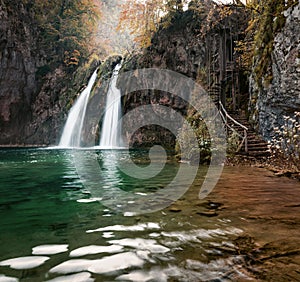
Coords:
71,135
111,130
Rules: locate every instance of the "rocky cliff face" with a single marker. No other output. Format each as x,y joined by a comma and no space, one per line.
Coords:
179,48
269,104
18,63
33,105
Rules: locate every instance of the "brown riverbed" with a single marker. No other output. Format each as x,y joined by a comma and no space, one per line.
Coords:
267,208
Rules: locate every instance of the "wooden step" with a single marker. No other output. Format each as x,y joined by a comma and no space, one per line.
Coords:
259,143
257,147
259,153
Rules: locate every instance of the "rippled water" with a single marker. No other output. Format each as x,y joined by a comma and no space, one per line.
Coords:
53,228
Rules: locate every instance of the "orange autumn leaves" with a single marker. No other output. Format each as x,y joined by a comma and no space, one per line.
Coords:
142,19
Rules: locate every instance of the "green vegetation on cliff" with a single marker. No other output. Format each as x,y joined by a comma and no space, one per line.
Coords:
266,21
65,30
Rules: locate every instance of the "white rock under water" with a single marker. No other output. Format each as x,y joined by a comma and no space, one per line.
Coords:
4,278
99,266
22,263
79,277
93,249
141,244
49,249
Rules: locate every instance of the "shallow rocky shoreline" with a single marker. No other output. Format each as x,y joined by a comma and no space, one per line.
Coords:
266,208
277,166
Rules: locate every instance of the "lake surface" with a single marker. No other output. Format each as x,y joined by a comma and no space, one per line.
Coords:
55,227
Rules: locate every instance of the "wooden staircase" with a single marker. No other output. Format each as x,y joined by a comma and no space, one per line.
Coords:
256,146
215,92
251,143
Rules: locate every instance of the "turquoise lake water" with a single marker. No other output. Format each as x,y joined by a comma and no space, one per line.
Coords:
55,227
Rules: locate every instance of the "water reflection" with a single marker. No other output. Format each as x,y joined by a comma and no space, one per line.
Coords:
58,229
136,183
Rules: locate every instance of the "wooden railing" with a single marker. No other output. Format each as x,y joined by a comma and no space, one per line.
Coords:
226,117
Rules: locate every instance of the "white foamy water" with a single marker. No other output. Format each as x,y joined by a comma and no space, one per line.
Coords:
111,130
138,227
149,257
71,135
142,244
143,276
91,200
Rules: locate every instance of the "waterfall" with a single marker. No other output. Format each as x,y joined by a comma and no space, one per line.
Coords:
72,130
111,132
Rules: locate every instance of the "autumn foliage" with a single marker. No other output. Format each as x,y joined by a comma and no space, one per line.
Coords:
66,28
141,18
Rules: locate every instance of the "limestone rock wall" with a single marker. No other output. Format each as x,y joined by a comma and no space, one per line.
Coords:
269,104
33,105
18,83
179,48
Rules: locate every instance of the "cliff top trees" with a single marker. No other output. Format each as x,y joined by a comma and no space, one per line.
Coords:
109,39
66,28
143,17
